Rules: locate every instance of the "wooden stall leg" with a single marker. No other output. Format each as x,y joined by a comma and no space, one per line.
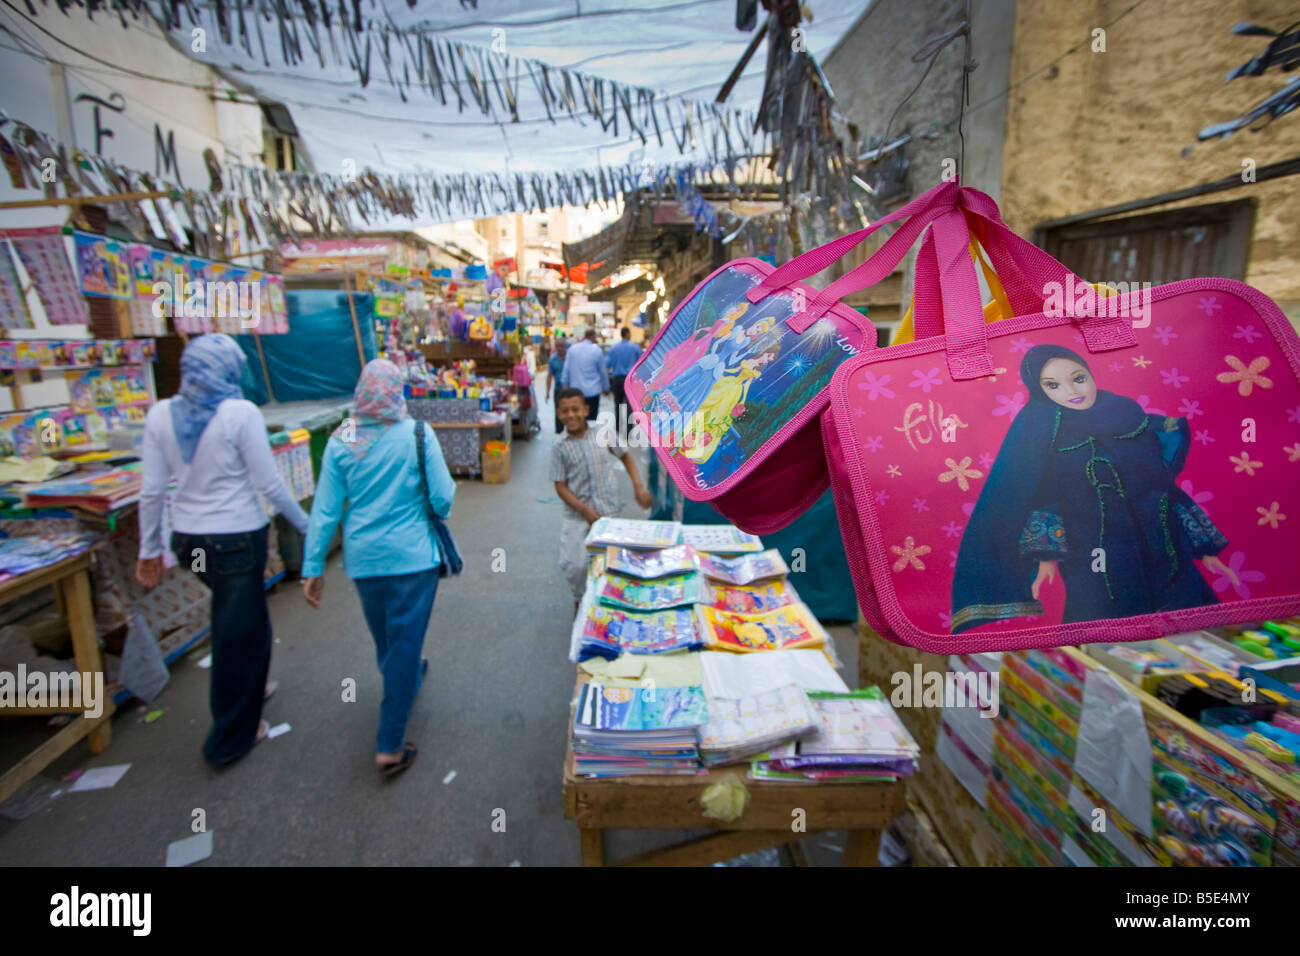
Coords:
593,846
862,848
85,645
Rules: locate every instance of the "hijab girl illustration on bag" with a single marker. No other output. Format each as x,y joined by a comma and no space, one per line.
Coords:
1084,485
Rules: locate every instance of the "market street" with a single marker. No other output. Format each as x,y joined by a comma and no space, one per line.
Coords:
493,711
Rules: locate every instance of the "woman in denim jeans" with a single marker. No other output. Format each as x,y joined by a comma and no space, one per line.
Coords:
389,546
213,444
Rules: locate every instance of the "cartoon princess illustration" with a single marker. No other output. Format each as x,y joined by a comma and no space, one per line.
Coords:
723,405
1083,469
685,358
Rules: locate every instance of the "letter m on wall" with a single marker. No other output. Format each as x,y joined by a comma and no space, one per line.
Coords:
164,154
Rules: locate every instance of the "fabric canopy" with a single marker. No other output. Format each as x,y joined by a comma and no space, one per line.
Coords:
678,49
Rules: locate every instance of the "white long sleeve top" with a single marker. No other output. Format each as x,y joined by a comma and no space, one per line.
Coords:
216,493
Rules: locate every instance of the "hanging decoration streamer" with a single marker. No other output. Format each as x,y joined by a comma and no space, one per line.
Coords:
468,76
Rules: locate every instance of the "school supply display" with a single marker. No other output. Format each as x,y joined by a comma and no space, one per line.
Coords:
745,569
654,595
651,564
1079,471
786,628
79,353
630,533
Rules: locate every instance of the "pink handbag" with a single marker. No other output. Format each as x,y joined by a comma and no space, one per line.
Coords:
731,389
1093,469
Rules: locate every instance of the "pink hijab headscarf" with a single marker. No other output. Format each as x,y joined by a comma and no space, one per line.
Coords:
380,401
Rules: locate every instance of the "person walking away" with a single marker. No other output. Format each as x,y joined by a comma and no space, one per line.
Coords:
620,360
213,443
582,467
555,366
584,369
370,480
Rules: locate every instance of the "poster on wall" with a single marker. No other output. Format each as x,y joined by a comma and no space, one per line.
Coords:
13,304
103,267
45,258
149,267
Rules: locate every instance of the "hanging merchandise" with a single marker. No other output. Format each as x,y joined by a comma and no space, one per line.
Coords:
13,304
45,259
103,266
740,372
1094,468
481,329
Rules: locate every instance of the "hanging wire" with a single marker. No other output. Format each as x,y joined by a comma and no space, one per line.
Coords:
930,50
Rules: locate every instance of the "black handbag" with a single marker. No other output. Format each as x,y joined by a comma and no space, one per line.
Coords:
451,560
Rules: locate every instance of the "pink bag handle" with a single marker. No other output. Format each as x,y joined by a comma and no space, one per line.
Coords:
1028,270
921,211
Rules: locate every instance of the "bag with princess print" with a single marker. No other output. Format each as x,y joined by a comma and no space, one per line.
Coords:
1091,468
732,389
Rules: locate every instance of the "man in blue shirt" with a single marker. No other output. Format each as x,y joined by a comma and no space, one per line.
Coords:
620,360
554,368
584,369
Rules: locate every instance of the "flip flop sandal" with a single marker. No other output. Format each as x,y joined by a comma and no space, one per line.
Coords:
408,757
263,729
271,687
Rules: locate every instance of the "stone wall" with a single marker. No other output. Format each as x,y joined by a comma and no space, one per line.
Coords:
1097,129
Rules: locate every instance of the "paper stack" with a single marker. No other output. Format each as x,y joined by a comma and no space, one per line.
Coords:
631,731
860,739
741,727
629,533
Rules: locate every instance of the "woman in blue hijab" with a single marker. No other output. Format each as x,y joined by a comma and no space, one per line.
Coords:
1084,485
213,444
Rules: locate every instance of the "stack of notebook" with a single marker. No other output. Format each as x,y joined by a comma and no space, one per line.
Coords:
96,492
860,739
633,731
742,727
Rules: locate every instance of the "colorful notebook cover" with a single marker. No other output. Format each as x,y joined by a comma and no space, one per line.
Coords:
745,569
749,598
655,595
720,539
630,533
630,709
630,632
651,564
783,629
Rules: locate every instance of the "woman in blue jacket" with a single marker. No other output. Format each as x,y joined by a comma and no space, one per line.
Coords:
389,547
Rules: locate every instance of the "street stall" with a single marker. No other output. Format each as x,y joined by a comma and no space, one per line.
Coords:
707,698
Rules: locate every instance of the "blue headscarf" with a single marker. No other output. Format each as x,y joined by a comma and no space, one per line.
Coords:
211,367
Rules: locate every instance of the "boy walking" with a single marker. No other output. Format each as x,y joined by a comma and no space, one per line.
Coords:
582,467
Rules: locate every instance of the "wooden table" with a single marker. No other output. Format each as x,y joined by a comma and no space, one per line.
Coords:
70,579
673,803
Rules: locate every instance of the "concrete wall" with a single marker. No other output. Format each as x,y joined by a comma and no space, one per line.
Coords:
1104,128
41,78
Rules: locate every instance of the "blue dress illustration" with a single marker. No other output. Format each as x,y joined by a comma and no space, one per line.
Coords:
1083,469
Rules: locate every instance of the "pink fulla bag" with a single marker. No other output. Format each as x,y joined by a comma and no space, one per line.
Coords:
1093,469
